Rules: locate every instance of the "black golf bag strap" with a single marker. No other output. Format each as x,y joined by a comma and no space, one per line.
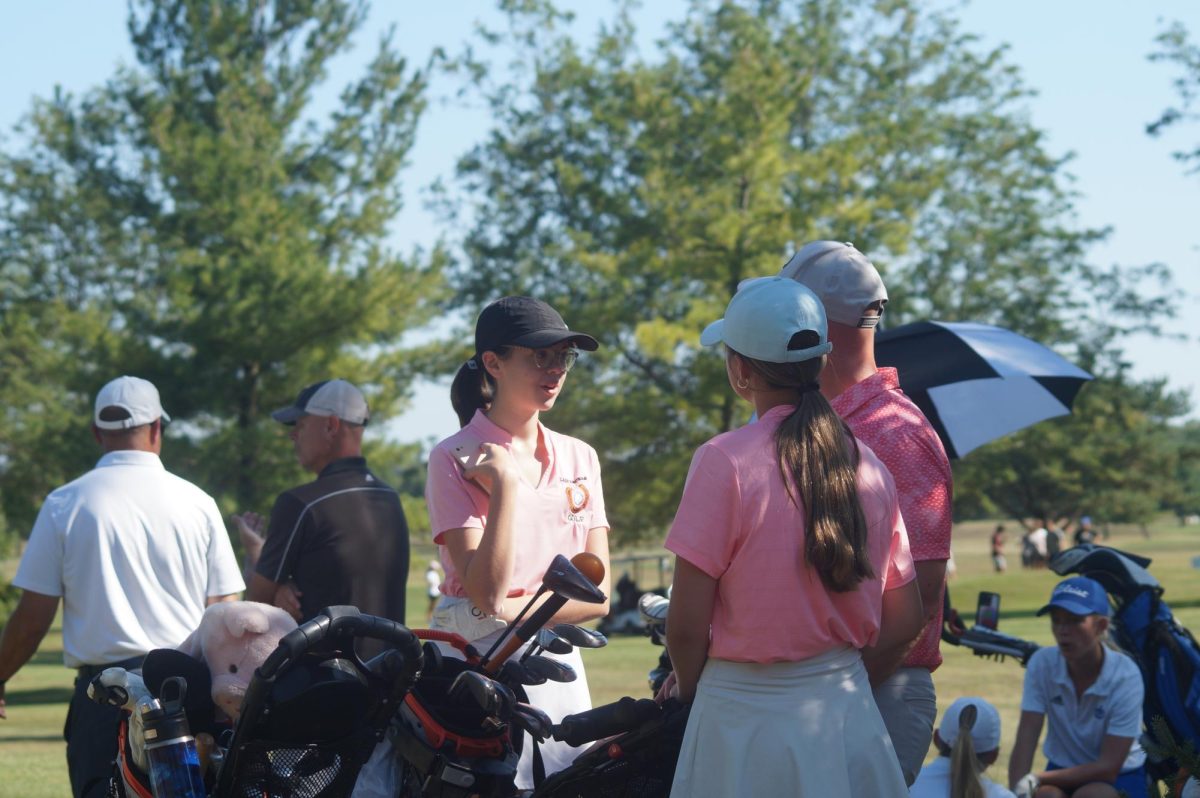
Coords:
454,781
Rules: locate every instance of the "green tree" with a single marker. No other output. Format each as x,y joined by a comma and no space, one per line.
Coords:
198,221
1184,496
636,193
1176,48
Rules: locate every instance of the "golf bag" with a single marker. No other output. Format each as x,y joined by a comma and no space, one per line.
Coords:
638,763
1144,627
312,714
450,749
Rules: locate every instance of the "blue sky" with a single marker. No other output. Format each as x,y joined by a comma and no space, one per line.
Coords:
1087,61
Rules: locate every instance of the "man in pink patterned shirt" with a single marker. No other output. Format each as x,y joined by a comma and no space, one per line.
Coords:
870,401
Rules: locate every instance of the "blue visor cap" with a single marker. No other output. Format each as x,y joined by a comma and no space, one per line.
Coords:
1078,595
774,320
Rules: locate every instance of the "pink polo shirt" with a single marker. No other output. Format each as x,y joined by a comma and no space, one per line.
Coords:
737,523
881,416
552,517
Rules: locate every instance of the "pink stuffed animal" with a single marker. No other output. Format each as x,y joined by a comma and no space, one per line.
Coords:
234,638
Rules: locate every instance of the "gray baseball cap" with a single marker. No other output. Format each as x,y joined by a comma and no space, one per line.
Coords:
842,277
327,398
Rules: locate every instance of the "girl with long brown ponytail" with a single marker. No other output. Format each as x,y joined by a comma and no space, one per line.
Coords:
791,559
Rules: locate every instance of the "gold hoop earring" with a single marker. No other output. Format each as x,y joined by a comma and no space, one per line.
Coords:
743,384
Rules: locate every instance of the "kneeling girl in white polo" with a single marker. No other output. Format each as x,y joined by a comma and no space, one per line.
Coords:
1089,697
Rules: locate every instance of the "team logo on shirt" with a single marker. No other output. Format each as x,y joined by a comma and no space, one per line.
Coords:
577,497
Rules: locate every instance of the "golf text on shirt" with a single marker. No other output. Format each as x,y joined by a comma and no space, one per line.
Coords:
553,517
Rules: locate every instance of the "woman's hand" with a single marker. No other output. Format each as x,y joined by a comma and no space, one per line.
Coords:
494,465
669,689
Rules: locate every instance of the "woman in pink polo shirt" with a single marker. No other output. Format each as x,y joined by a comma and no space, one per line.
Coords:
792,569
524,493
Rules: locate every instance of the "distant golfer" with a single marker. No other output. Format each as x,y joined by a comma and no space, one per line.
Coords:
134,553
433,584
791,558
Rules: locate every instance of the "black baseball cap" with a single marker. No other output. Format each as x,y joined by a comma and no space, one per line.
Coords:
525,321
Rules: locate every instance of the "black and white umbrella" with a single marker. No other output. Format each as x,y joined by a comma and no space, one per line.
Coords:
975,382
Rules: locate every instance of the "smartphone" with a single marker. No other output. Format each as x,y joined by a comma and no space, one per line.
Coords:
987,611
467,453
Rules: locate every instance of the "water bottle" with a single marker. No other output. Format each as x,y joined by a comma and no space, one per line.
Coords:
170,746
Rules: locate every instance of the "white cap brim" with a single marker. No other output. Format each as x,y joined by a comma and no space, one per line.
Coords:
712,333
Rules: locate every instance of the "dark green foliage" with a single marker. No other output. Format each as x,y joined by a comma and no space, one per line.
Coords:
191,221
635,194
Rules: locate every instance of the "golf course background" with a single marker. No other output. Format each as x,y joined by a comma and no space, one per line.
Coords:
32,763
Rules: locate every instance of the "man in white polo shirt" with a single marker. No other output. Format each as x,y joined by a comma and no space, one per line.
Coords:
134,552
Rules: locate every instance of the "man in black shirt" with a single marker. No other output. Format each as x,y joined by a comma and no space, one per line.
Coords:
341,539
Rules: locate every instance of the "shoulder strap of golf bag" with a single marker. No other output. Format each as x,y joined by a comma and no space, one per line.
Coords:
1169,659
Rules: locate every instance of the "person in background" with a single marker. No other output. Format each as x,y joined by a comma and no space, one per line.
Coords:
135,554
786,517
968,742
433,584
871,402
1089,698
1085,533
340,539
506,494
999,563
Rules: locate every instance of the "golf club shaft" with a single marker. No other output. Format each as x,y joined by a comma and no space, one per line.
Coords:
525,631
592,569
488,656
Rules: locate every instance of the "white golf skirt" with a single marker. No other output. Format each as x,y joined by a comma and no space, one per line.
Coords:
556,699
808,728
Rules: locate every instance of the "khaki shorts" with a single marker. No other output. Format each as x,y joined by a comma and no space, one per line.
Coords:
908,705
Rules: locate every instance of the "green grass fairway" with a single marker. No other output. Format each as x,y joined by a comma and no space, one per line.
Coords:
32,761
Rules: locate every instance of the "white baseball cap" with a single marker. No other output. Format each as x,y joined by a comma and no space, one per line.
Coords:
773,320
137,397
985,734
327,398
842,277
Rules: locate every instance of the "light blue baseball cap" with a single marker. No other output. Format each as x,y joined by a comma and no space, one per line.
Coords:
772,319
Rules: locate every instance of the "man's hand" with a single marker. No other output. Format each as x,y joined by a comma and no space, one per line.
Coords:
287,598
251,528
1027,787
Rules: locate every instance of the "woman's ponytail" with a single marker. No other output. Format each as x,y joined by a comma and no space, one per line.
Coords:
473,388
964,764
818,456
